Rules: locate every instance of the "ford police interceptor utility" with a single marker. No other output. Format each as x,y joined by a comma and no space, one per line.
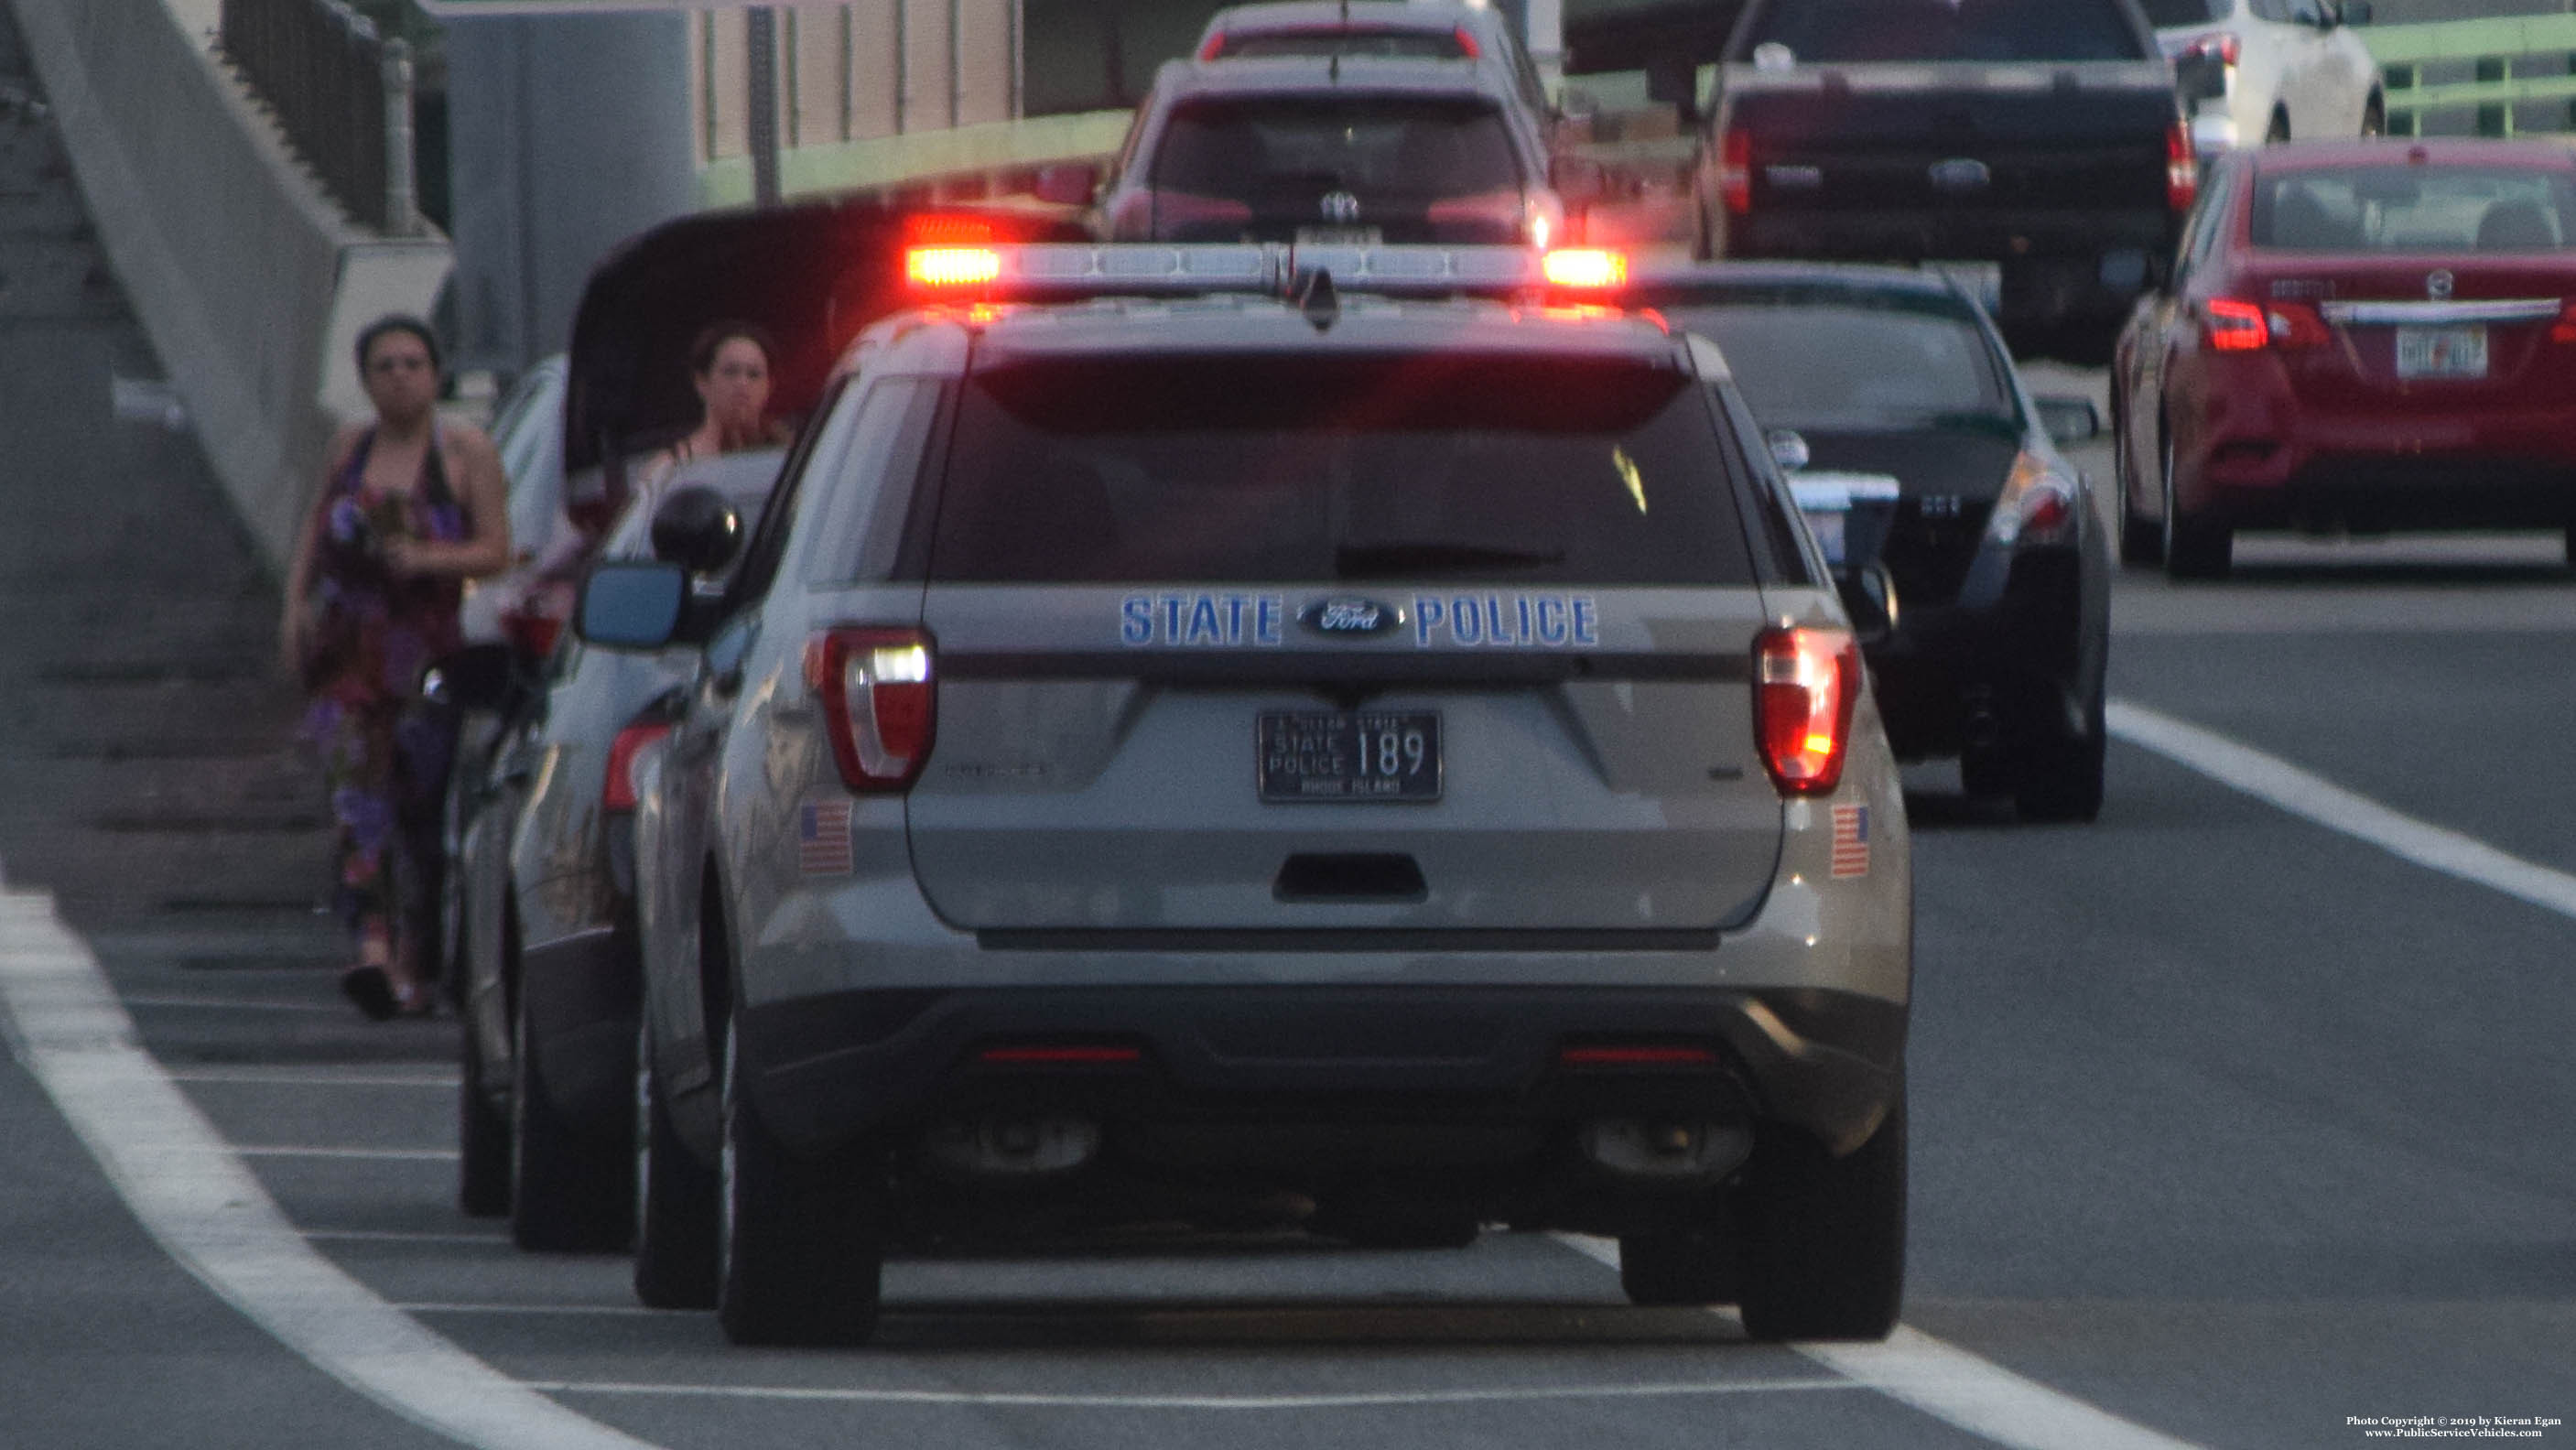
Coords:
1204,727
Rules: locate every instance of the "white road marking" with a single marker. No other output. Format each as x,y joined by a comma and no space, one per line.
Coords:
2313,798
297,1150
1389,1398
1956,1387
256,1077
397,1236
211,1215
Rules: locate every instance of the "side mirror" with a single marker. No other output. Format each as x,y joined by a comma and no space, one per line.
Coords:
1067,183
1578,180
477,677
696,529
1869,597
2069,420
2213,134
632,605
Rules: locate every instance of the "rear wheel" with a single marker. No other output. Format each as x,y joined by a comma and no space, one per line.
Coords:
801,1243
482,1136
676,1216
1824,1237
2062,781
569,1191
1692,1266
2194,548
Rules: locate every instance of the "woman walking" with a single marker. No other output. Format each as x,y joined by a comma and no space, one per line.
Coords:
410,508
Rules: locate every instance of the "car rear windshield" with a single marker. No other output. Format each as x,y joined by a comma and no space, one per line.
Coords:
1266,468
2164,14
2415,209
1858,31
1270,149
1810,361
1385,44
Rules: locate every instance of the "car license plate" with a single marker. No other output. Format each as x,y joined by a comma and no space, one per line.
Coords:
1367,755
1339,236
2441,352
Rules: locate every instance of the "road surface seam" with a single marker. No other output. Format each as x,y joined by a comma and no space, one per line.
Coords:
2319,801
208,1212
1957,1387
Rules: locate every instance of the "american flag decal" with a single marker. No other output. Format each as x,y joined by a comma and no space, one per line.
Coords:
823,839
1851,841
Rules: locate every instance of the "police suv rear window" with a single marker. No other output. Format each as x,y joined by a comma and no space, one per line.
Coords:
1265,468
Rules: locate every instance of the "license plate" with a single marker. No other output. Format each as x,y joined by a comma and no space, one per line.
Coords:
1368,755
1339,236
2441,352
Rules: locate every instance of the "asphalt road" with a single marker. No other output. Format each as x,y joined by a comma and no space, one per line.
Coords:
2235,1120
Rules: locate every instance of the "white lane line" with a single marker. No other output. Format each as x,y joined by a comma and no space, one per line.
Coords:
295,1150
211,1215
228,1004
258,1078
1956,1387
2313,798
1388,1398
397,1236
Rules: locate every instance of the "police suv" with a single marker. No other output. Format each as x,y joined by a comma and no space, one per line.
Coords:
1216,731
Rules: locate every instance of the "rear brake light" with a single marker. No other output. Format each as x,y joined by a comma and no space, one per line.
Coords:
951,266
1806,682
2182,167
2296,325
876,687
2565,330
1735,170
617,792
2226,47
1468,49
2235,326
1587,267
1213,46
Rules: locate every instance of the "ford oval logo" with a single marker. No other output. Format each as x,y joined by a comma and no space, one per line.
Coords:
1350,616
1963,173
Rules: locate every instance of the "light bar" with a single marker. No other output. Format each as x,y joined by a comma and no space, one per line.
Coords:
1589,268
1072,270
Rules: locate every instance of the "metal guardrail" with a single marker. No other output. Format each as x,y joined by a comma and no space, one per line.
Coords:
342,95
2493,50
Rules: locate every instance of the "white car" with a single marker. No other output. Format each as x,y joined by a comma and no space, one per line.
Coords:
2271,70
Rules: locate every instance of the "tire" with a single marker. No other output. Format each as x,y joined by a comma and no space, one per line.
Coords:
1986,772
801,1242
676,1216
1824,1237
570,1192
2063,782
1679,1268
2194,548
482,1137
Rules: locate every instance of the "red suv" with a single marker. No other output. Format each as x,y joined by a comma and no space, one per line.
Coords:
2366,336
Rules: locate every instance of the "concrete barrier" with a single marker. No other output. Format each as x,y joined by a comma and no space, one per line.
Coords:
250,283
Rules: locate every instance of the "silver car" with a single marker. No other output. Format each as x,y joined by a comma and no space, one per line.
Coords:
1397,763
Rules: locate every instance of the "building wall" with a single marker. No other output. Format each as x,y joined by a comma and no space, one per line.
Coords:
859,71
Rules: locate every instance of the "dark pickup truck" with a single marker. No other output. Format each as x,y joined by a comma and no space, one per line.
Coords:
2037,140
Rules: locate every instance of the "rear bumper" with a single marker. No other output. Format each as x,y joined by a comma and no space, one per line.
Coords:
2263,461
1996,665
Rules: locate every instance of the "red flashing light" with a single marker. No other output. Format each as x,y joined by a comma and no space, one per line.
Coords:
947,229
1637,1055
617,792
1590,268
879,703
2182,167
1735,170
2565,328
1069,1054
1808,681
951,266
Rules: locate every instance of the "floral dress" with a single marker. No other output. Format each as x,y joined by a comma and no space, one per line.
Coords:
385,749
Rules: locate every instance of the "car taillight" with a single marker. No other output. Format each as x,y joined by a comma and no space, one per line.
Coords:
2565,329
2037,505
617,792
1735,170
876,687
1806,682
1468,49
1591,269
1213,46
2182,167
2225,47
2236,326
532,633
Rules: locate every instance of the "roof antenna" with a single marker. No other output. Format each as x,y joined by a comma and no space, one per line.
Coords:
1319,299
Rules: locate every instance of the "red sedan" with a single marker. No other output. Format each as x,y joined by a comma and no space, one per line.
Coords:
2367,336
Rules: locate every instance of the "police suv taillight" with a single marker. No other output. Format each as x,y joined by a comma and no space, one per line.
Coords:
1805,683
617,792
876,689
